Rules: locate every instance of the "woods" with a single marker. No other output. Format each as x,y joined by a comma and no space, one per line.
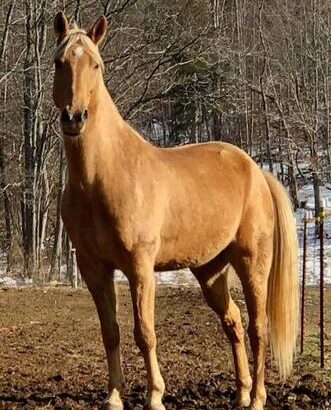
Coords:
254,73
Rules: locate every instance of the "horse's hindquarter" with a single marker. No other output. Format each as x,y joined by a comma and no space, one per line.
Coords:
207,185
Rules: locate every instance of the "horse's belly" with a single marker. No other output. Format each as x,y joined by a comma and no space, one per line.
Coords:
197,228
193,250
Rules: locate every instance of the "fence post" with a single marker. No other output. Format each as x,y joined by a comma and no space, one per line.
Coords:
74,268
304,258
321,232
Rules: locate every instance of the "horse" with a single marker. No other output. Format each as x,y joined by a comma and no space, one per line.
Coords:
132,206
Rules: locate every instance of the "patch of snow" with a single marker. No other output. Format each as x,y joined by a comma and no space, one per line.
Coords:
9,282
182,277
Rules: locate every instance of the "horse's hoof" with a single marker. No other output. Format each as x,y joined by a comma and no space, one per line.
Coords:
106,405
256,405
243,400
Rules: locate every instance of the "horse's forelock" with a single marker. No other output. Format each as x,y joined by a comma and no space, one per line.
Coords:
75,35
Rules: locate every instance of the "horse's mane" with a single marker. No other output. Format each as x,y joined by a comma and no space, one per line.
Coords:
78,35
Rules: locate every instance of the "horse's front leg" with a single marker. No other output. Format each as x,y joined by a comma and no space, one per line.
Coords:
142,285
101,285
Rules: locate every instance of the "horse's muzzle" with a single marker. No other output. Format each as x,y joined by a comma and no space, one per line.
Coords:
73,122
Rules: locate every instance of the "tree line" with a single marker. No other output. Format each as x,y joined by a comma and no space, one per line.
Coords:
253,73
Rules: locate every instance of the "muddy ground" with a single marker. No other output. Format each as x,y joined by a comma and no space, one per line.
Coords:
51,356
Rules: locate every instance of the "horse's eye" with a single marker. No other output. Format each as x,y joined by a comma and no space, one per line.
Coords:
96,66
58,64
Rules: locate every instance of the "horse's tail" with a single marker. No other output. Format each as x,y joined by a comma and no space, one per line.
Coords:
283,301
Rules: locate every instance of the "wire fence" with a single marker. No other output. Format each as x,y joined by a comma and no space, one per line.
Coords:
316,223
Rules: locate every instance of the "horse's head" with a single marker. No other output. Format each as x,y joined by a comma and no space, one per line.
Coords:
78,71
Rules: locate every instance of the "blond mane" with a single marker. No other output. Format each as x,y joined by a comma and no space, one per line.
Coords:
78,35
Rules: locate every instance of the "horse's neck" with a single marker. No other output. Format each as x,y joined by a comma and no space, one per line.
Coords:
105,146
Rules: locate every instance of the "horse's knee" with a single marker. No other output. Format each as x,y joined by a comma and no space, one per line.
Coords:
229,314
145,337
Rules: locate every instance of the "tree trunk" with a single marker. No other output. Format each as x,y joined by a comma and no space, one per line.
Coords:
58,236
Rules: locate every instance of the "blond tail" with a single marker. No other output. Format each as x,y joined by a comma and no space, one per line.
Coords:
283,292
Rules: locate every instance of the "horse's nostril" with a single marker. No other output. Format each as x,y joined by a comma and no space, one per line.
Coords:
66,115
81,116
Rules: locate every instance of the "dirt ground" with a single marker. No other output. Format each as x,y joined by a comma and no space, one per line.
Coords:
51,356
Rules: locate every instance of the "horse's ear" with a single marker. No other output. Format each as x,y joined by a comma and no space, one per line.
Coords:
61,26
98,30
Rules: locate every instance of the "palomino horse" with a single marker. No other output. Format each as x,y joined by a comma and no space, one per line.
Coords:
129,205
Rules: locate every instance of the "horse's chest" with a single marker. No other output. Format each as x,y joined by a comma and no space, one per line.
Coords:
93,231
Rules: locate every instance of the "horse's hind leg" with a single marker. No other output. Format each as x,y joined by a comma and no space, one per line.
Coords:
254,271
216,292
